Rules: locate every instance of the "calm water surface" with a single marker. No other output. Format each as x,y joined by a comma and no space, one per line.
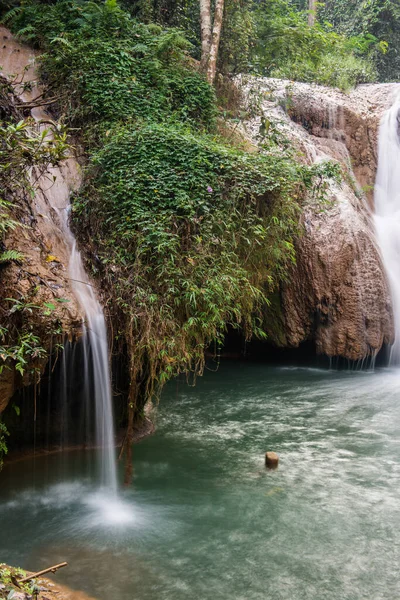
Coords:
204,520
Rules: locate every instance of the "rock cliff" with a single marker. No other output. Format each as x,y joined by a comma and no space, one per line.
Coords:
338,293
42,276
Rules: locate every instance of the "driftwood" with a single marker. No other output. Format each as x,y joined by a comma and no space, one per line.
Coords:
40,573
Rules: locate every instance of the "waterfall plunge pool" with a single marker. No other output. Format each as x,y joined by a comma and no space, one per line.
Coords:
204,519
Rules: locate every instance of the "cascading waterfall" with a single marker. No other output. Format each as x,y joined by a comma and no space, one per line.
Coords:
387,210
54,198
96,363
96,357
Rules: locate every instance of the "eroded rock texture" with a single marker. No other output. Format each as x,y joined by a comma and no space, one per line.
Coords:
42,276
338,294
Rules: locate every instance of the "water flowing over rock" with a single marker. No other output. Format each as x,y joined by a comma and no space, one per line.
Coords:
338,293
387,210
54,242
41,238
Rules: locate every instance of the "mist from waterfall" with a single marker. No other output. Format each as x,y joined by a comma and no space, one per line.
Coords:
387,210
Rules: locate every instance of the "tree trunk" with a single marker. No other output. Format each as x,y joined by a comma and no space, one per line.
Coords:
216,36
205,26
312,12
210,37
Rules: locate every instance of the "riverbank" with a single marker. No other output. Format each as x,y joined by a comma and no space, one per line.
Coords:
48,590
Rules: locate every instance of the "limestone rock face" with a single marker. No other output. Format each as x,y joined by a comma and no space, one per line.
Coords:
338,294
40,238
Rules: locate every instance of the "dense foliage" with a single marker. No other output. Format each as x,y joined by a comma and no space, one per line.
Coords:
192,235
378,18
272,37
188,234
346,46
287,47
114,66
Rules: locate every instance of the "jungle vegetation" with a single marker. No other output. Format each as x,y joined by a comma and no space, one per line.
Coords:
187,230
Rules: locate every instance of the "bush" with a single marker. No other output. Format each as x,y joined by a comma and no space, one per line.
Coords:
343,72
192,235
108,67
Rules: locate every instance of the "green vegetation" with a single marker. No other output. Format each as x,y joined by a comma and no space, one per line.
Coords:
9,578
378,18
287,47
23,147
351,42
190,233
347,45
115,67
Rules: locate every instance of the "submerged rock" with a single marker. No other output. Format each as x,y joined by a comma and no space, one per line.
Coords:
338,294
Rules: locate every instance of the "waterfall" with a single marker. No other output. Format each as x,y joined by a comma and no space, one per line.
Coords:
53,205
96,365
95,351
387,210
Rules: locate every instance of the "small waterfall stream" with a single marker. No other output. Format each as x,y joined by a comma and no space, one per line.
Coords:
387,210
96,364
52,204
96,353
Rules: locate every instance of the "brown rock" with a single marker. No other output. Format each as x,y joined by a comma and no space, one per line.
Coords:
46,281
338,294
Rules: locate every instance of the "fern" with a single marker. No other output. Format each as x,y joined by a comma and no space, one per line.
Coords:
11,256
26,33
14,12
6,223
61,40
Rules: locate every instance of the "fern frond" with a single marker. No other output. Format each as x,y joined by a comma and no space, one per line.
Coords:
7,223
61,40
11,14
26,33
11,256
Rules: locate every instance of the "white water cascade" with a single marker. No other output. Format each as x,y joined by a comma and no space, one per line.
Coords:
96,351
387,210
52,200
96,364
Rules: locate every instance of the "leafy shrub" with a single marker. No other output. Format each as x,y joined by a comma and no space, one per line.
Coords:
192,236
377,17
331,70
107,67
